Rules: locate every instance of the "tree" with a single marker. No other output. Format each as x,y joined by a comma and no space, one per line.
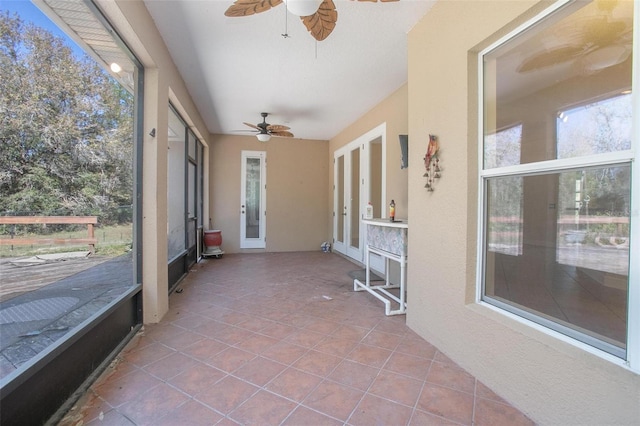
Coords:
66,129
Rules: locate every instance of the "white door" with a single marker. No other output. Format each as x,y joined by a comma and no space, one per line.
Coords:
347,202
253,199
359,178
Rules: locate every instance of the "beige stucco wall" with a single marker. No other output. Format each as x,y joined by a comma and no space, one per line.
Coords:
552,381
392,111
162,83
297,175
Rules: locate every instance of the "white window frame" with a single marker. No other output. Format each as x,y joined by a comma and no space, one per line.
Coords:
632,359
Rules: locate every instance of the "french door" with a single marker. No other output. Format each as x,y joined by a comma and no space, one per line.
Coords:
253,199
359,176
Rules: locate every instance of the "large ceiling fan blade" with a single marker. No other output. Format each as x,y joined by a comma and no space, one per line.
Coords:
277,127
603,31
282,134
550,57
251,125
250,7
322,23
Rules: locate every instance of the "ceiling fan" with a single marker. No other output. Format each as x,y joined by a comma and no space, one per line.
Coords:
594,42
319,16
264,130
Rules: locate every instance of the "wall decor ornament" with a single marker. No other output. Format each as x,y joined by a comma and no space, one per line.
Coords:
432,163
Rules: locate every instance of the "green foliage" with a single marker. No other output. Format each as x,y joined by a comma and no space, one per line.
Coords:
66,129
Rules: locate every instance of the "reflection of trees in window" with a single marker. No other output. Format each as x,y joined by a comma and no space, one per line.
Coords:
596,128
505,199
589,194
503,147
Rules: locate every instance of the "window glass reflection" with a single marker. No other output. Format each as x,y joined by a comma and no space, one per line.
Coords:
567,262
595,128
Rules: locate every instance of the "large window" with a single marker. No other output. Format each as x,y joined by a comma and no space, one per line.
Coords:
70,185
556,173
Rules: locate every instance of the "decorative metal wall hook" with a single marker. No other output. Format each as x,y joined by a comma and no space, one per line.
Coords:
432,163
152,133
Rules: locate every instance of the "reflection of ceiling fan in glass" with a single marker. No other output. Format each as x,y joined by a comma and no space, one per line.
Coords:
319,16
593,42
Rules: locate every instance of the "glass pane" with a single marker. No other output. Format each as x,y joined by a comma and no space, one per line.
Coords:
376,177
191,233
253,192
567,72
200,184
341,207
192,146
176,187
595,128
558,247
503,147
504,228
191,193
355,198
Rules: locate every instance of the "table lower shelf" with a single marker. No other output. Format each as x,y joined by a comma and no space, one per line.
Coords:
382,293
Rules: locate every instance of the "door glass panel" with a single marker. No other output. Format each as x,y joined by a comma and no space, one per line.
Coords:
191,203
341,206
355,198
176,187
376,177
200,185
191,206
252,211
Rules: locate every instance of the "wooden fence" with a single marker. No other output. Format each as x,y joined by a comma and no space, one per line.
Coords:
90,221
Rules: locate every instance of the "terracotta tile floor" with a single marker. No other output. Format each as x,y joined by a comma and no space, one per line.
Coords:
282,339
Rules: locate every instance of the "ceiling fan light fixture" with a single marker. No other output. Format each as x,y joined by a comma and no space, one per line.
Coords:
303,7
263,137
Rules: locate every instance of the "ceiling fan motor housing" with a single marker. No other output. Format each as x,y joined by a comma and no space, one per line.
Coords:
263,126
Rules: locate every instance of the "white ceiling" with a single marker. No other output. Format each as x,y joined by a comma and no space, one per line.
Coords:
236,68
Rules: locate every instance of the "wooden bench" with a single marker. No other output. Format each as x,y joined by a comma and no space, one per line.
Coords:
90,221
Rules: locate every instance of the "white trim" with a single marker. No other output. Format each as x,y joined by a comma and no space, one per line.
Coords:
633,314
480,258
561,337
539,167
521,28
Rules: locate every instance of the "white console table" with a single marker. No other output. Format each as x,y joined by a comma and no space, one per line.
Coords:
388,239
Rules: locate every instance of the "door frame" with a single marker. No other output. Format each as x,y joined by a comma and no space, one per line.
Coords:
261,241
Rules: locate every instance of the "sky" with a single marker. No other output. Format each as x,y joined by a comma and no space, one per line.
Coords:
28,12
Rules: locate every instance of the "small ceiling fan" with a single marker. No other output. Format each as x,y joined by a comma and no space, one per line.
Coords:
319,16
264,130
